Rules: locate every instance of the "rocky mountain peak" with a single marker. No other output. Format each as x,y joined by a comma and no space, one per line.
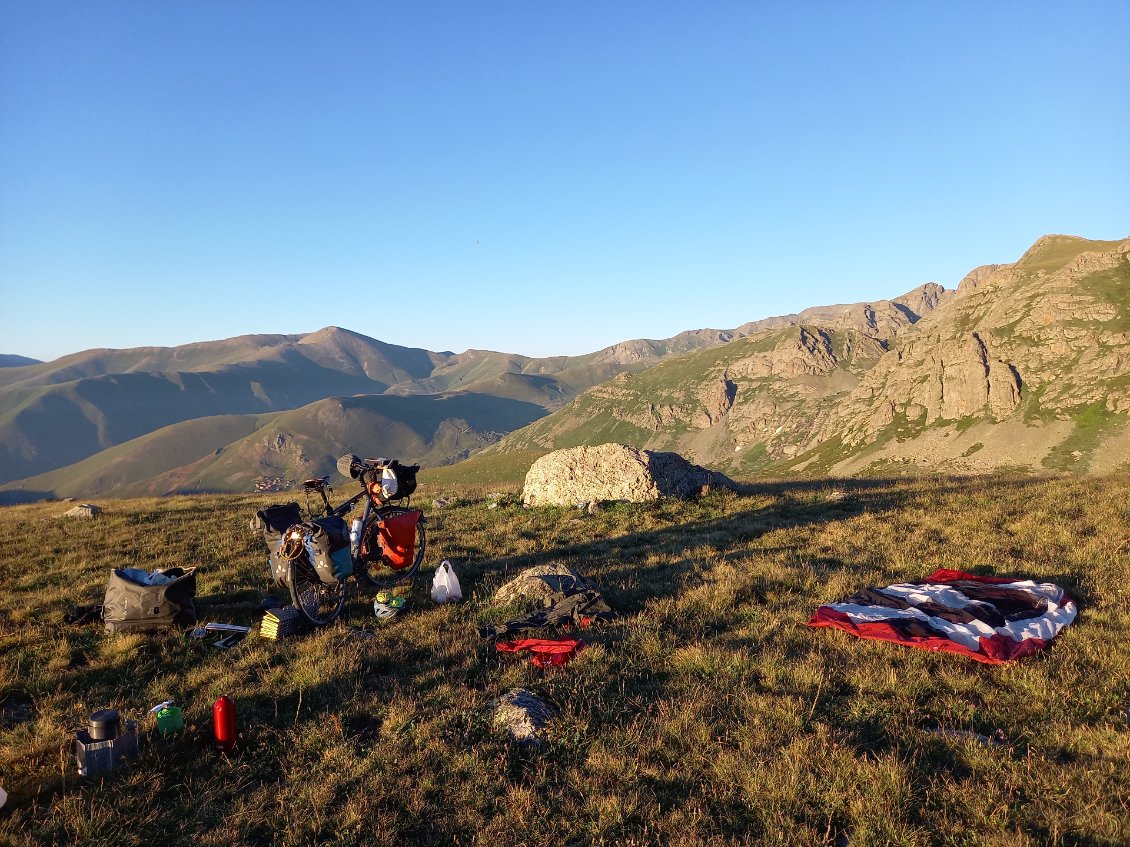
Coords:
921,300
1052,252
979,276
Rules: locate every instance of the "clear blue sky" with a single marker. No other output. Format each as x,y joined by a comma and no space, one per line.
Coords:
535,177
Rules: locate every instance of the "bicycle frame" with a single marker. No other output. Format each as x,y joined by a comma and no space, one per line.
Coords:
320,486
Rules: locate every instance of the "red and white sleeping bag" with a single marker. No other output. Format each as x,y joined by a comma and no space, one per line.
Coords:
990,619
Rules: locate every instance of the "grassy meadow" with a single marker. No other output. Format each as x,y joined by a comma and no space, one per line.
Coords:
707,713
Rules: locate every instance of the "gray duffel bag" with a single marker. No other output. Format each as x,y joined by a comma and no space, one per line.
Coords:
132,605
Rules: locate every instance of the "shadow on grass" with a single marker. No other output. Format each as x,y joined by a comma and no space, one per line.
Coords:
617,558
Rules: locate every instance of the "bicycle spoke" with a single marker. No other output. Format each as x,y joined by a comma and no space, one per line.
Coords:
318,602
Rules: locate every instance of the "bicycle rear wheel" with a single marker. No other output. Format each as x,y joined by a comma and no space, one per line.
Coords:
371,567
320,603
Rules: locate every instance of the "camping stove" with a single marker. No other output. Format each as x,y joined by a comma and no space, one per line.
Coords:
103,745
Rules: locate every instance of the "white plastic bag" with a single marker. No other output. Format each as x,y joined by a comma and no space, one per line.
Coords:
445,584
389,485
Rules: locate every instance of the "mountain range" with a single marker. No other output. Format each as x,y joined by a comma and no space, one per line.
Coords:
1024,365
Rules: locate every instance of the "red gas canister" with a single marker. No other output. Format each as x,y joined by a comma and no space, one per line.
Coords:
223,723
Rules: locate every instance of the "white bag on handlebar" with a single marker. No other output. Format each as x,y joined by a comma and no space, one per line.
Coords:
445,584
389,484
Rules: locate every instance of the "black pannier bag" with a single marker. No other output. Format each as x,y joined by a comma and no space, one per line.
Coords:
327,547
405,479
273,522
132,606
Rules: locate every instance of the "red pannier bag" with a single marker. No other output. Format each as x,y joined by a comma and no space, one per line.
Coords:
397,537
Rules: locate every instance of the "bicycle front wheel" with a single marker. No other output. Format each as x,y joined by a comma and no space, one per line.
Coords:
320,603
377,566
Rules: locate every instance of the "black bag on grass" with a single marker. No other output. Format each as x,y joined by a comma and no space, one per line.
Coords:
132,606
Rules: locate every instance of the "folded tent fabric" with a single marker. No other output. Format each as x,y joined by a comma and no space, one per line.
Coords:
989,619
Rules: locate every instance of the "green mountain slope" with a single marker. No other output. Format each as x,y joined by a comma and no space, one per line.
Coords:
306,442
131,468
234,452
737,406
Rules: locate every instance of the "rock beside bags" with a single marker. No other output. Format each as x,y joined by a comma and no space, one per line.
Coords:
535,585
84,510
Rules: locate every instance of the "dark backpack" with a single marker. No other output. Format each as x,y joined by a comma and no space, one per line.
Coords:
405,479
273,522
327,546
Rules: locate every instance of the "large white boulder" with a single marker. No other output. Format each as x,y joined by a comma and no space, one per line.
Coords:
84,510
615,472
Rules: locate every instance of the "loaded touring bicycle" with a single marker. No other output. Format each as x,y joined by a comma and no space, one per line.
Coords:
381,548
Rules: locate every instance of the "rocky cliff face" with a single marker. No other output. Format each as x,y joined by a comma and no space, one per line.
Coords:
883,319
1024,364
763,393
1052,328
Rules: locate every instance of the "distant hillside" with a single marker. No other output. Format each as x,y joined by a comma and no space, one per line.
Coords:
234,452
57,413
95,408
1026,365
10,360
134,467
